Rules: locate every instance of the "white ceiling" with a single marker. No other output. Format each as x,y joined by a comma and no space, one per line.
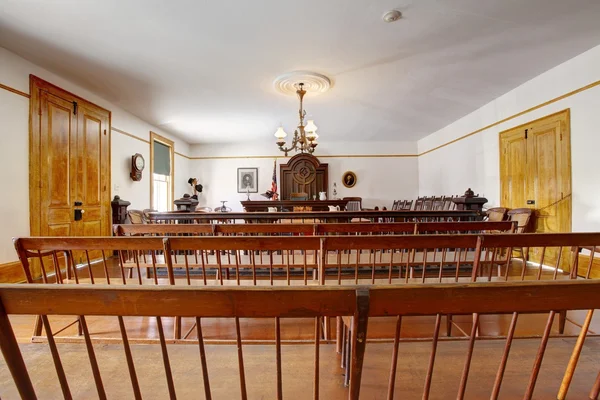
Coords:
203,69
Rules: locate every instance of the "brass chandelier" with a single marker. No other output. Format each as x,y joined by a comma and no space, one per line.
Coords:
305,137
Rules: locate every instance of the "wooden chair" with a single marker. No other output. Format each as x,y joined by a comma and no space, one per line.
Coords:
438,203
419,203
496,214
136,217
448,203
395,205
299,196
354,203
407,205
523,218
146,215
427,204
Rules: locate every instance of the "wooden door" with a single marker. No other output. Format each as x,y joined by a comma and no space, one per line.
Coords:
58,174
69,164
535,165
513,161
93,173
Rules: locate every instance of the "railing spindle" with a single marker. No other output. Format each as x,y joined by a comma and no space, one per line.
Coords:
392,381
540,356
205,378
92,357
566,382
465,373
165,356
130,365
505,354
278,358
14,358
434,343
89,264
60,372
539,276
595,389
238,337
558,259
317,345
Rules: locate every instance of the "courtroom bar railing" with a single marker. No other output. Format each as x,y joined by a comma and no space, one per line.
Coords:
392,228
312,216
362,303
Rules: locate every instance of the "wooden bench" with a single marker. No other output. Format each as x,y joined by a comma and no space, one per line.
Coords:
312,229
363,303
302,260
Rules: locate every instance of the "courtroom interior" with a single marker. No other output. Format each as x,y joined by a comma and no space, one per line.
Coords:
341,199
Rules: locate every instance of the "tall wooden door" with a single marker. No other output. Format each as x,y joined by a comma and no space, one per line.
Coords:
535,165
69,164
58,169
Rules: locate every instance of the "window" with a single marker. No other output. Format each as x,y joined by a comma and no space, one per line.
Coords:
161,177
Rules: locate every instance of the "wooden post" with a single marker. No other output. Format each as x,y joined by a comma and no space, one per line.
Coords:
359,340
14,359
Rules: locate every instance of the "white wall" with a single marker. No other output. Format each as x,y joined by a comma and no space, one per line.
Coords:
14,149
474,161
381,180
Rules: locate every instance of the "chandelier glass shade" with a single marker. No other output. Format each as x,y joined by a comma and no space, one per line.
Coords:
305,136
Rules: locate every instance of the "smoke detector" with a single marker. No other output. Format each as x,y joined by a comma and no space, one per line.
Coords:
392,16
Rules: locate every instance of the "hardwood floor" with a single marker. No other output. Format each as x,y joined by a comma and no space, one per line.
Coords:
298,364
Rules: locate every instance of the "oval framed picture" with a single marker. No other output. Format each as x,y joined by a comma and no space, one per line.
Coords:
349,179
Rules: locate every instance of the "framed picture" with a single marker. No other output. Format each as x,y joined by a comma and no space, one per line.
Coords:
349,179
247,180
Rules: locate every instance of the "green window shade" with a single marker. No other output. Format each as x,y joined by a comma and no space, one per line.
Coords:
162,159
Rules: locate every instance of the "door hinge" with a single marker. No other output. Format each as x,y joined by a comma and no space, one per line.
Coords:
105,132
526,133
561,137
74,108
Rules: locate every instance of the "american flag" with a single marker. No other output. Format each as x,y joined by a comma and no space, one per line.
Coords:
274,182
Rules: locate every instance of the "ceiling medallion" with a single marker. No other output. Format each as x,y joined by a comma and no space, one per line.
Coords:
314,83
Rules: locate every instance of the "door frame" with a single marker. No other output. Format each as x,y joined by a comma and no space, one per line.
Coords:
155,137
567,138
36,85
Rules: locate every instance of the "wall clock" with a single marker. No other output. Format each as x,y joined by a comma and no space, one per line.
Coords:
137,166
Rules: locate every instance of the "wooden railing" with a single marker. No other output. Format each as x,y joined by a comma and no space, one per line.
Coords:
387,258
361,303
313,216
392,228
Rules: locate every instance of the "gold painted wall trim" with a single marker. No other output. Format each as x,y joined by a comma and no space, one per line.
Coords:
15,91
554,100
318,156
143,140
130,135
11,272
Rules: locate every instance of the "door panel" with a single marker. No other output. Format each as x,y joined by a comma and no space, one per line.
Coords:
544,173
513,169
58,177
93,179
